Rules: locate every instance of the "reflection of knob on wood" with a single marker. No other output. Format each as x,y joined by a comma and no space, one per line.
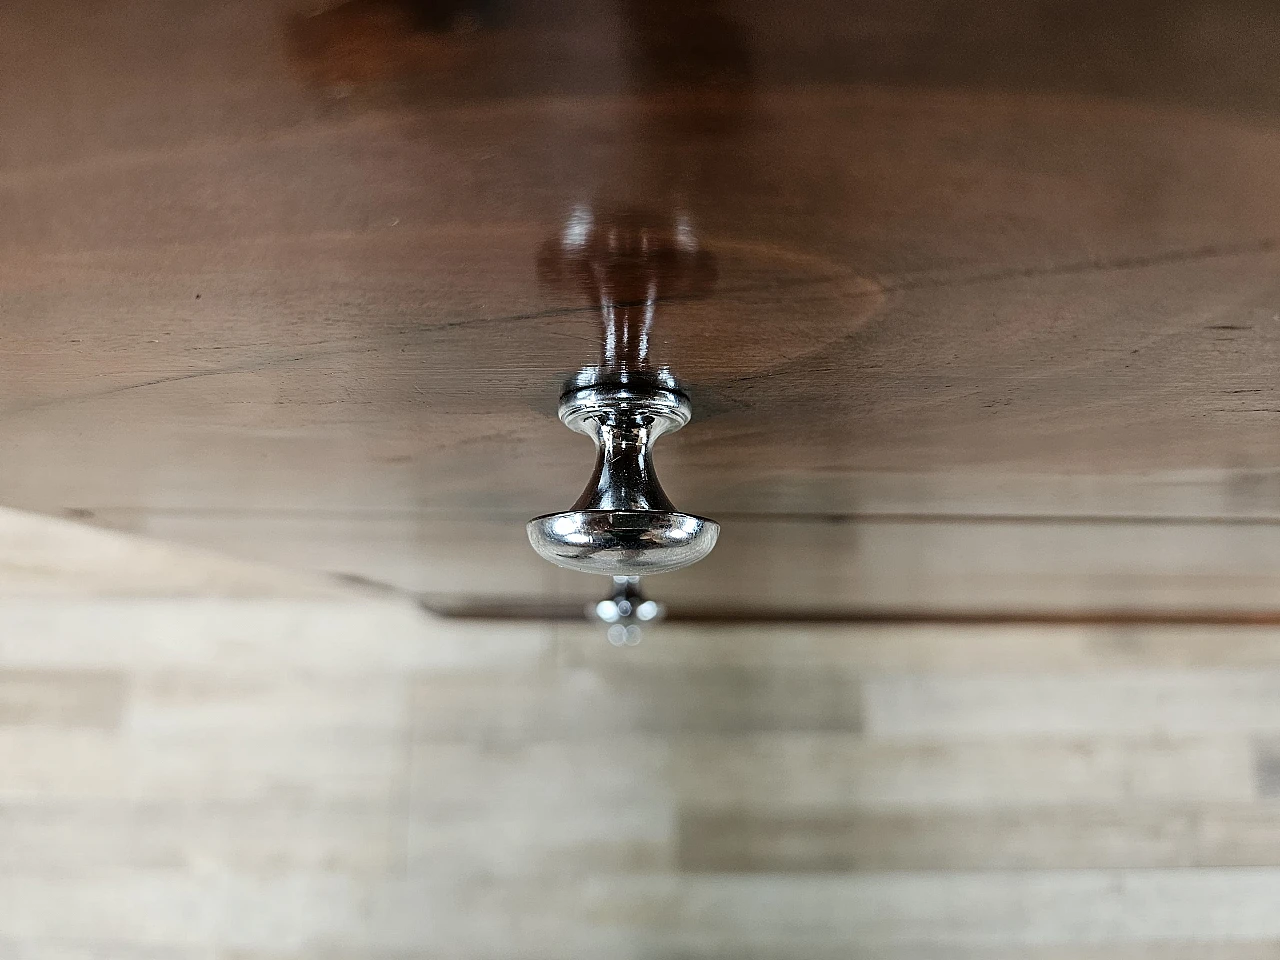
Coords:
625,263
624,524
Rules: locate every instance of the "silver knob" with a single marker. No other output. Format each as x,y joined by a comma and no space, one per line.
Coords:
623,524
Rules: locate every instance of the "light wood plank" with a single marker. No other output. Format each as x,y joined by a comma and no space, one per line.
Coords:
50,837
619,836
790,914
1192,950
1090,910
609,699
246,636
1268,769
1134,835
1147,702
1019,907
171,909
805,771
62,698
1187,951
253,704
88,765
128,908
52,950
496,779
939,648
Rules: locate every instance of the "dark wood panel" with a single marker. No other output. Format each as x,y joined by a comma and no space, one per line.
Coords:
993,258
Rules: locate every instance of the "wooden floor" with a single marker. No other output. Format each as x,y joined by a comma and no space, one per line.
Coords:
204,771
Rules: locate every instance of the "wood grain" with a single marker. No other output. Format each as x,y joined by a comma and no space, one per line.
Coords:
1066,837
1012,704
624,699
265,266
764,771
71,698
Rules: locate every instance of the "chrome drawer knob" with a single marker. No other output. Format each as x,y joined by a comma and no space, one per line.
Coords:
624,525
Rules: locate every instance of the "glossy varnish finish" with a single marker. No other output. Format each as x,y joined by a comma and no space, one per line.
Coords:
262,266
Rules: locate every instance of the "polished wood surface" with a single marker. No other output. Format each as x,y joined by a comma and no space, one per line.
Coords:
268,266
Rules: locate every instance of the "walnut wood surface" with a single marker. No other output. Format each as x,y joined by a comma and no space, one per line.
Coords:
264,260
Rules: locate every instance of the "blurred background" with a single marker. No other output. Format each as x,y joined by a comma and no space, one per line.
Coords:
204,758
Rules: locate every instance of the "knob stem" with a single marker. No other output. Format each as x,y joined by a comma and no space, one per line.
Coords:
624,478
